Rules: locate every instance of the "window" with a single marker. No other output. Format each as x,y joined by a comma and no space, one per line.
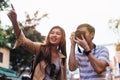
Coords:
1,57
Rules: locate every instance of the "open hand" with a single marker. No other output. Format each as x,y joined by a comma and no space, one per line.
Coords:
82,42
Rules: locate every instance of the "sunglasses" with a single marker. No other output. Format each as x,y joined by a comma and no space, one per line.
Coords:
52,70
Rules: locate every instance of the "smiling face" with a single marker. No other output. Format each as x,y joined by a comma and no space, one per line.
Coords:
55,36
57,40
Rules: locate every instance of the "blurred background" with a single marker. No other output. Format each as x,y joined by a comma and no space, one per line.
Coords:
36,18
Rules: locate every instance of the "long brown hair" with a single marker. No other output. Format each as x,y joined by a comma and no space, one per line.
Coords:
46,48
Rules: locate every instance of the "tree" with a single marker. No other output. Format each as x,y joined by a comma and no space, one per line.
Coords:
6,36
19,56
30,25
3,4
114,24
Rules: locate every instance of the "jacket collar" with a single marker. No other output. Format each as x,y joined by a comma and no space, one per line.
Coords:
61,55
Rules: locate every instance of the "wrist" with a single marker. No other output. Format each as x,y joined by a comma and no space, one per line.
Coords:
87,52
87,48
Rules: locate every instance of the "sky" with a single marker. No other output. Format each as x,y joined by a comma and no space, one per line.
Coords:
71,13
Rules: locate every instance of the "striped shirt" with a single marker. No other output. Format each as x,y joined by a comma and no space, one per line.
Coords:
87,72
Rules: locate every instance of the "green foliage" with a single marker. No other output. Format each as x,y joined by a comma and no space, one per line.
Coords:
3,4
33,34
6,37
2,38
20,57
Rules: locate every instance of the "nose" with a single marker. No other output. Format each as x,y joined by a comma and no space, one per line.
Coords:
54,34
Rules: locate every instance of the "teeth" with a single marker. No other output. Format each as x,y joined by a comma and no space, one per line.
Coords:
53,39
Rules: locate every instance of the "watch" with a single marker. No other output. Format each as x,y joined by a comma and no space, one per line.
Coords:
87,52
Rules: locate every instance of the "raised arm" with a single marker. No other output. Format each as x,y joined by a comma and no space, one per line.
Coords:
13,17
73,63
27,44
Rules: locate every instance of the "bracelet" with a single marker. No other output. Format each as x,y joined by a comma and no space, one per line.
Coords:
87,52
